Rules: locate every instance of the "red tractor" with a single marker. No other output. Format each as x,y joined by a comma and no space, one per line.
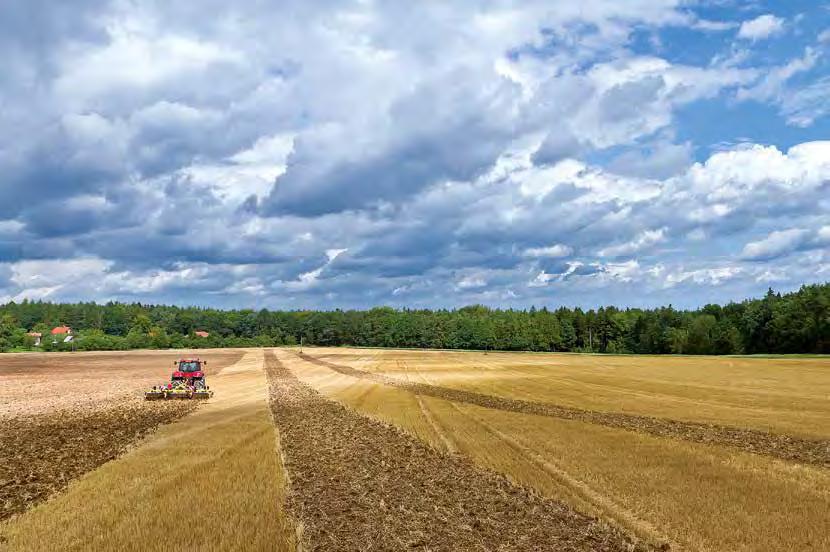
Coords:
187,382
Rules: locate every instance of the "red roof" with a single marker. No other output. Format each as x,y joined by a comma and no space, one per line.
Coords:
201,334
61,330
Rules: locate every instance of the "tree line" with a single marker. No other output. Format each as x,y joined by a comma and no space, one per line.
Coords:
796,322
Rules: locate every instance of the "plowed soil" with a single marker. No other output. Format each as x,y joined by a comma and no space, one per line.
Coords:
209,481
359,484
41,454
62,415
785,447
41,383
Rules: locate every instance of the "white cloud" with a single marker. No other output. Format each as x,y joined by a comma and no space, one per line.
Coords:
713,26
774,82
731,175
778,243
554,251
58,273
803,106
624,272
643,241
471,282
309,279
703,276
763,26
332,254
138,55
157,280
543,278
78,278
249,172
10,227
468,146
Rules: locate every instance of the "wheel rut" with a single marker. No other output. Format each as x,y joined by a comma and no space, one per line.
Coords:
448,444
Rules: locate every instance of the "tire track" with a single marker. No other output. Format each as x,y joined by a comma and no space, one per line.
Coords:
359,484
587,493
449,444
784,447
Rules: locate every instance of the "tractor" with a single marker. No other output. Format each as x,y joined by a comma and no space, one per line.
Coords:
186,382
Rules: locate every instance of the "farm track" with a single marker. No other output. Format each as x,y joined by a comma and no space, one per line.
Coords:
42,453
784,447
360,484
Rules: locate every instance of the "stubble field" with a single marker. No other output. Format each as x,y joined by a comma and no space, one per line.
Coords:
351,449
702,453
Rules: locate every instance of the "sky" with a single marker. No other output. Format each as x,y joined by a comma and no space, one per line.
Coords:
347,154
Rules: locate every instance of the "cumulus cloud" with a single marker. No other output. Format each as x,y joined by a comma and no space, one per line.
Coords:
354,153
778,243
784,242
763,26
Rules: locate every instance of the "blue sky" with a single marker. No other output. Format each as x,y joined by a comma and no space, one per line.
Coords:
357,153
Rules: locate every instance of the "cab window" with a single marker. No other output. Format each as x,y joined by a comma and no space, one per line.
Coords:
189,367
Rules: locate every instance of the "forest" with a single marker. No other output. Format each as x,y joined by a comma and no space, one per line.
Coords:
797,322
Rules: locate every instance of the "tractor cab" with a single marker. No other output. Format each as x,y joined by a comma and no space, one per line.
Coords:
190,365
191,371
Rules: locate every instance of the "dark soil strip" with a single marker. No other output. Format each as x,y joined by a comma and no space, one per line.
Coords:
359,484
40,455
785,447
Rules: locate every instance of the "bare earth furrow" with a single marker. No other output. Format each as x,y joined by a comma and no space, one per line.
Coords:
360,484
785,447
41,454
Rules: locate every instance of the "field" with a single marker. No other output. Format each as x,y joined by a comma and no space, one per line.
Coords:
351,449
62,415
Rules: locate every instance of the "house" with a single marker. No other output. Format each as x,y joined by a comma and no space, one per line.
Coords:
201,334
62,332
37,336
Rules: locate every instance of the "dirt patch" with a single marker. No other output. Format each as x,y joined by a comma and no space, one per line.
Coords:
359,484
40,383
41,454
785,447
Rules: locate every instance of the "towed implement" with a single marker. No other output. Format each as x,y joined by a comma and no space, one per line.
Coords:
186,382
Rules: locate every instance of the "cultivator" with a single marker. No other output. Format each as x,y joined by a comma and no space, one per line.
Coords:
187,382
